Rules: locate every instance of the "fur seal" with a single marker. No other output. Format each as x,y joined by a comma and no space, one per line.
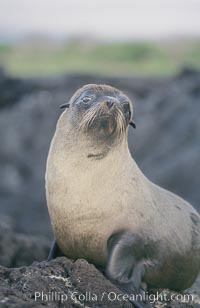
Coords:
104,209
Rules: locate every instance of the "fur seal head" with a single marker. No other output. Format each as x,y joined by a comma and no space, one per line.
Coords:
100,112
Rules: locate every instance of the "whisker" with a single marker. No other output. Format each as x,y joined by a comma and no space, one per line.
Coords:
89,117
96,111
121,124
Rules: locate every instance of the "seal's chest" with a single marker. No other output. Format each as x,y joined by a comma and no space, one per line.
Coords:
86,230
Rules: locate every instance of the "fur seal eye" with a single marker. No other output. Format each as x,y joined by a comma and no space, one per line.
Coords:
86,99
126,107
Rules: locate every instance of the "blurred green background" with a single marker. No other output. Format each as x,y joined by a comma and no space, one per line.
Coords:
34,56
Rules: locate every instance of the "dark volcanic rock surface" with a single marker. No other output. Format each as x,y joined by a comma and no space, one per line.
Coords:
64,283
166,143
19,249
59,279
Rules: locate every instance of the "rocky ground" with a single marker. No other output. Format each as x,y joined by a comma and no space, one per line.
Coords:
63,282
166,145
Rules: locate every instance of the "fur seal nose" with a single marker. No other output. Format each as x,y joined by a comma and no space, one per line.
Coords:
110,103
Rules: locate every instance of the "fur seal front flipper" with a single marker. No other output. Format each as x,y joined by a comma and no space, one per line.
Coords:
54,251
126,275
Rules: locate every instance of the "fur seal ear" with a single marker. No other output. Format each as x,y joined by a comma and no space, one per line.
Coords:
132,124
64,106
